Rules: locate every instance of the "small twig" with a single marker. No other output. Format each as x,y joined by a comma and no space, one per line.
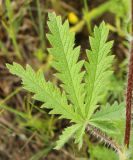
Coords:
103,137
10,95
28,141
129,89
8,125
68,154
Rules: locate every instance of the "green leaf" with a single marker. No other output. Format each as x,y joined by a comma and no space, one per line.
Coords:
102,153
65,60
66,135
79,136
106,126
79,98
122,10
116,112
44,91
98,68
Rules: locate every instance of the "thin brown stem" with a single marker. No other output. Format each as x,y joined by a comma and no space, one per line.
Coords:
129,89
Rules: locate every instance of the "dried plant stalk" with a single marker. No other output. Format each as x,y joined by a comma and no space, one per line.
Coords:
129,89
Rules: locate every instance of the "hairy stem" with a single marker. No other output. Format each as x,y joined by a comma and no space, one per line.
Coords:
129,89
103,137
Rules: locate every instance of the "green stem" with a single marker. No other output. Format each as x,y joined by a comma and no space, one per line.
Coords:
98,11
89,16
16,47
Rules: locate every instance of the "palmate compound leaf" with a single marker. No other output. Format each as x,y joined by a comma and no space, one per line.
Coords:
44,91
66,61
69,72
97,68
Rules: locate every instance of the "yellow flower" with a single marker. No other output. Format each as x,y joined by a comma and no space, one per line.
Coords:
73,18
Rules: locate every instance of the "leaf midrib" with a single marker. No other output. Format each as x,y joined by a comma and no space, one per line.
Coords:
89,102
75,95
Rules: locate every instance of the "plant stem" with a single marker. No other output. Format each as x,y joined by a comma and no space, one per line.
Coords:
103,137
129,88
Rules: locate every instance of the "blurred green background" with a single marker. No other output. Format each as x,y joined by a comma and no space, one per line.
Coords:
26,131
